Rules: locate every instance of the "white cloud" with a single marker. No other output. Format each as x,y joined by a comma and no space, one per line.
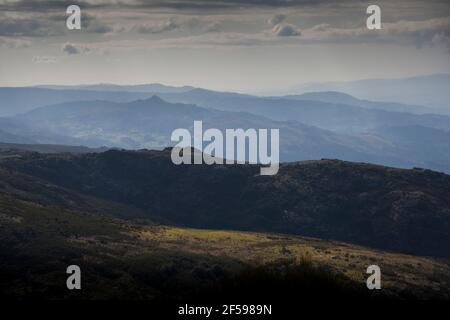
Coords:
276,19
286,30
419,33
168,25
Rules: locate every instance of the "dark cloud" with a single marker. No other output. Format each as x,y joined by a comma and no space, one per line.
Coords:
224,4
322,26
47,25
93,24
70,49
100,28
47,5
26,27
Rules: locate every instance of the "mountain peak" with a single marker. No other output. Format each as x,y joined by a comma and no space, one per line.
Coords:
155,99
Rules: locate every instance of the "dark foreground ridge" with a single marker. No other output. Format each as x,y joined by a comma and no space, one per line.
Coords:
124,218
387,208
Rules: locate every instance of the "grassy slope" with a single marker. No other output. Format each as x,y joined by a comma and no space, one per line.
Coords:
400,271
125,260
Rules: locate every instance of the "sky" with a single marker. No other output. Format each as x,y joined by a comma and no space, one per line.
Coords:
250,46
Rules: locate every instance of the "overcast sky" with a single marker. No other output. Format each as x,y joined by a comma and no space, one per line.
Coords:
237,45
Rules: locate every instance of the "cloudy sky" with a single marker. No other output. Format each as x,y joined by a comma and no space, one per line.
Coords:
240,45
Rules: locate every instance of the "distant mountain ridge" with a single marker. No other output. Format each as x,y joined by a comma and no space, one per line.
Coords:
23,99
428,90
149,123
14,101
143,88
331,116
346,99
313,126
49,148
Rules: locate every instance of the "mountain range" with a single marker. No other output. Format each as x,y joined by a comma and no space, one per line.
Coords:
354,134
313,125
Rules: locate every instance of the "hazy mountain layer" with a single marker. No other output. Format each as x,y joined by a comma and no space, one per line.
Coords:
149,124
343,98
430,91
15,101
334,116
